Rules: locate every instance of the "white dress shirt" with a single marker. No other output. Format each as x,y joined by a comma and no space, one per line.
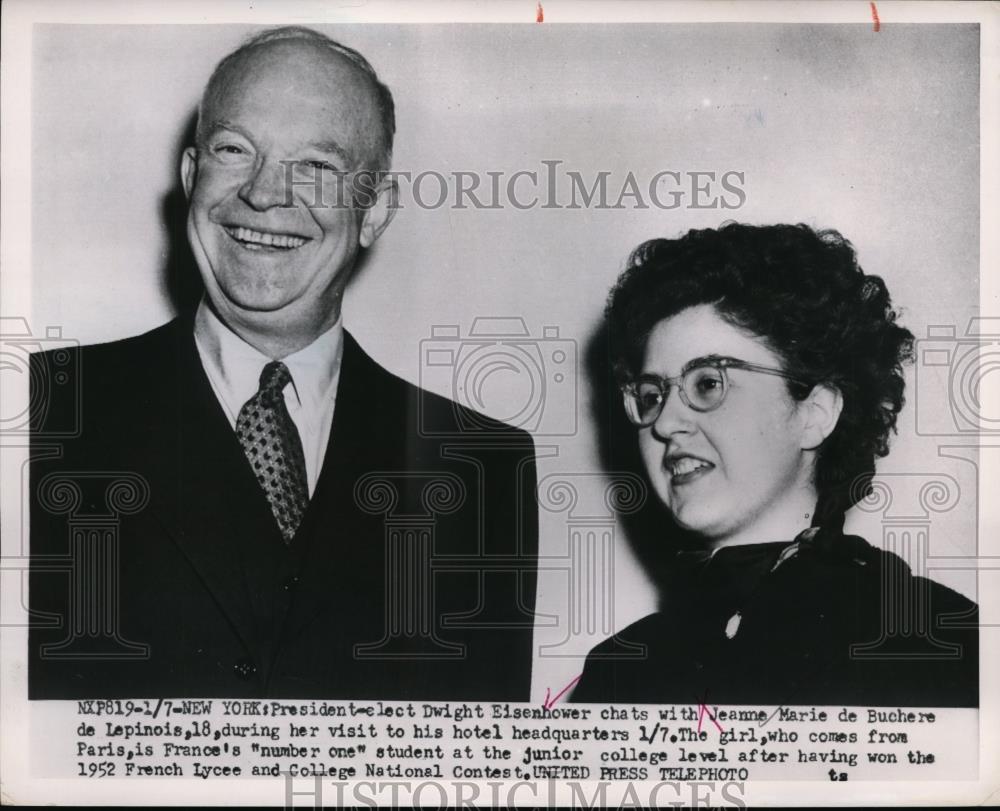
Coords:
233,368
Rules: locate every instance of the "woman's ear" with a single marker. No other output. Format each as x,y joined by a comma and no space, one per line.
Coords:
820,412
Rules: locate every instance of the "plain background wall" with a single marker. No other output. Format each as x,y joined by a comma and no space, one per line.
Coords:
875,134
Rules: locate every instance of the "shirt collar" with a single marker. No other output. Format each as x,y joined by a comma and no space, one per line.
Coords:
237,365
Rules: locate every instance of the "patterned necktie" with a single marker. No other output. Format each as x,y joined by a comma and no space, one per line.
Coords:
271,443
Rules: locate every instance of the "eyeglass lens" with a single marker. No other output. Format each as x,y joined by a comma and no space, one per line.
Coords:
704,388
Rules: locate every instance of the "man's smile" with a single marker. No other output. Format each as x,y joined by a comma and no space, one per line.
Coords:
263,240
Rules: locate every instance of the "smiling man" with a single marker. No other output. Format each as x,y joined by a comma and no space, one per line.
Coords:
280,123
276,523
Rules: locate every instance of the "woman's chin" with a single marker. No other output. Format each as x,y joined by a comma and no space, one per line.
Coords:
698,525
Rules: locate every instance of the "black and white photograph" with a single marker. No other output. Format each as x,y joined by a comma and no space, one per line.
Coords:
563,394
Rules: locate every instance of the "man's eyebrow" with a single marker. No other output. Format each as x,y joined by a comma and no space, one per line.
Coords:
222,124
331,148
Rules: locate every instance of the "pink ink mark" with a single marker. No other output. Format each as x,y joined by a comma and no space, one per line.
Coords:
539,14
547,704
875,20
703,711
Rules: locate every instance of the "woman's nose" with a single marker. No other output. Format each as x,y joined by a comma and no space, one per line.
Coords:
675,416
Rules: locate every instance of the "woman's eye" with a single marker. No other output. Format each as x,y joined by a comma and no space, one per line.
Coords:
708,382
649,399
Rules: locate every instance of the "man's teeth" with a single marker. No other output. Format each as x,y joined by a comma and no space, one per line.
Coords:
270,240
685,465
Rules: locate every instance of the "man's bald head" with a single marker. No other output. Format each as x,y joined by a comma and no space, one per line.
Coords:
304,43
287,123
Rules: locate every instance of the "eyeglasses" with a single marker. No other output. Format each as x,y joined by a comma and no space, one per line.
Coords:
703,385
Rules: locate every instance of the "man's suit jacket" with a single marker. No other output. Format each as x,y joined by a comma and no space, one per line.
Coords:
158,569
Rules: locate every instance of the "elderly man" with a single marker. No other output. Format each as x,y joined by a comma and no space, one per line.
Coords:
252,506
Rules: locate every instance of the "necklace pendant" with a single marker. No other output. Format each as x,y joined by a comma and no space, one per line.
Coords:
733,625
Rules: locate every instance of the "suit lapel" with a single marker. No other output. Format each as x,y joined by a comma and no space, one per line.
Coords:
343,551
204,494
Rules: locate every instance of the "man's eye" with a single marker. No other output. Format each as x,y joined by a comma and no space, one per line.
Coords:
229,151
320,165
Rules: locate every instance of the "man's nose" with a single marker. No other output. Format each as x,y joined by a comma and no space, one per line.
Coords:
267,187
675,418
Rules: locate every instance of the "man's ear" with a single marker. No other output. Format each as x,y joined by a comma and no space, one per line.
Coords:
189,170
820,411
379,214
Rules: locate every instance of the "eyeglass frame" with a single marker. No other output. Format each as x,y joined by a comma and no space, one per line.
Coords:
720,362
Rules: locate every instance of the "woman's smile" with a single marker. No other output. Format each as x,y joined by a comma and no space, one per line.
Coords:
683,468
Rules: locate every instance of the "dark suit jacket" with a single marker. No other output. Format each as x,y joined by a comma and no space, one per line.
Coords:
158,569
839,623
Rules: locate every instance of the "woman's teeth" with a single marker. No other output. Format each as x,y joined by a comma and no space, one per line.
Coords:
686,465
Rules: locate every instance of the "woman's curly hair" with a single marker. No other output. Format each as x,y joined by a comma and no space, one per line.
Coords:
805,295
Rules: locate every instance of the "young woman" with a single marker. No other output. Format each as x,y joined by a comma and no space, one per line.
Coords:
762,371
